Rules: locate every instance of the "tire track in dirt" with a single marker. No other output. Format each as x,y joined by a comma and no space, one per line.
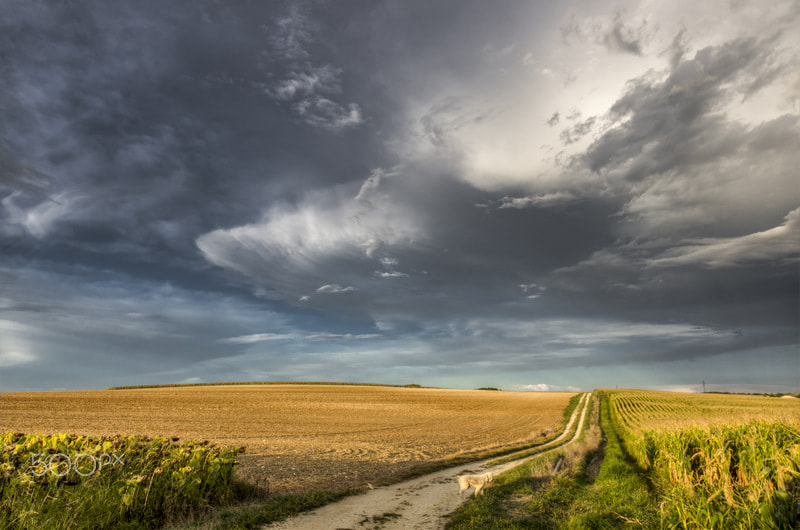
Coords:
420,503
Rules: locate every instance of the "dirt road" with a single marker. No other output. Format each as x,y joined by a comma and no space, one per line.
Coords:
420,503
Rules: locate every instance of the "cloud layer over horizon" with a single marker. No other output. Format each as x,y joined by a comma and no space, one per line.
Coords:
526,196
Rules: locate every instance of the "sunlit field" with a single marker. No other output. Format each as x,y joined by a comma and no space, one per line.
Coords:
666,460
718,460
640,410
302,436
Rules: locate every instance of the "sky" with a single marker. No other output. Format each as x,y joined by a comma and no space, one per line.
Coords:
518,194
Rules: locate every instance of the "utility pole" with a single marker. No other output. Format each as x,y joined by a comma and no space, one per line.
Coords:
704,386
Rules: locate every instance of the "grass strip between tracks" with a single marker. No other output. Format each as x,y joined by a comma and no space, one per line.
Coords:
527,496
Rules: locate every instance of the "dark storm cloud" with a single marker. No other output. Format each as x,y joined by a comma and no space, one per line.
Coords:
78,100
306,86
686,169
145,120
322,190
680,114
17,176
403,255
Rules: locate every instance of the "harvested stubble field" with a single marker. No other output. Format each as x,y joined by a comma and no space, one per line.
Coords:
301,437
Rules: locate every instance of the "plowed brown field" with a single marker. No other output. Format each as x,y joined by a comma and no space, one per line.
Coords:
301,436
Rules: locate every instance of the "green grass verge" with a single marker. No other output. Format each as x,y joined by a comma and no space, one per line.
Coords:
620,495
255,515
573,403
519,500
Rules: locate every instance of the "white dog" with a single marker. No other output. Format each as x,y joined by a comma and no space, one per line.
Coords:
478,482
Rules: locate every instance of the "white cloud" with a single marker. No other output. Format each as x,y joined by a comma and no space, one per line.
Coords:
392,274
15,357
372,246
777,243
322,112
334,288
544,200
544,387
498,133
344,336
580,334
305,83
291,249
267,337
372,184
260,337
40,219
534,290
308,87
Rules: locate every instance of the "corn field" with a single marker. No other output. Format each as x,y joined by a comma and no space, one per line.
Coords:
77,481
715,465
638,410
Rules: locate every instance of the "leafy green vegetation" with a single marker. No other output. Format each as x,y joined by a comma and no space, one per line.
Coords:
266,511
725,476
733,472
65,481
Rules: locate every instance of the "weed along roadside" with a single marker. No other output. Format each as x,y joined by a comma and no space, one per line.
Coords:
729,470
65,481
